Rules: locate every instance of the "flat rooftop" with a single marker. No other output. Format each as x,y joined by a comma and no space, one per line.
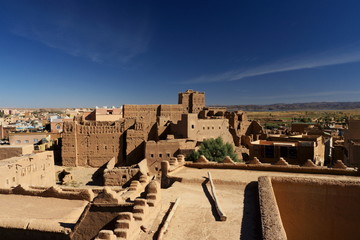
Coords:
39,213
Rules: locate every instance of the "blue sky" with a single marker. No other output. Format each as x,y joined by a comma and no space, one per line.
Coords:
95,53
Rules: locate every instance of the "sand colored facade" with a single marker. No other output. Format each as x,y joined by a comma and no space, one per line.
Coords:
35,170
22,138
9,151
93,143
193,128
108,114
167,150
192,101
295,150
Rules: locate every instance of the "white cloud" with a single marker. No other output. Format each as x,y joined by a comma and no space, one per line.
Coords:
326,58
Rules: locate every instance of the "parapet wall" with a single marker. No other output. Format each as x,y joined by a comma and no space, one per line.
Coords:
120,176
277,168
54,192
308,208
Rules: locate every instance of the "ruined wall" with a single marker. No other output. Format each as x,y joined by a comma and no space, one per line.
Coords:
8,151
35,170
92,143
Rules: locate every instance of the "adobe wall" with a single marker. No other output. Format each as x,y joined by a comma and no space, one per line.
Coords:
35,170
276,168
318,208
148,112
200,129
155,152
8,151
92,143
172,111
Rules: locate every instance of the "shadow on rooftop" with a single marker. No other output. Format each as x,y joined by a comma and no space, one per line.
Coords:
251,222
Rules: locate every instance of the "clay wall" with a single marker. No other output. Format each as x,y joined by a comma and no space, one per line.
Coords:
8,151
92,143
354,154
119,176
36,170
276,168
318,208
192,101
172,111
148,112
155,152
200,129
351,140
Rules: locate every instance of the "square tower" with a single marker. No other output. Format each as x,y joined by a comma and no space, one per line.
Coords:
193,101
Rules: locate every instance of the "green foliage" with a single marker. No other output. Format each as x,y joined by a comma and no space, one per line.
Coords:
1,114
214,150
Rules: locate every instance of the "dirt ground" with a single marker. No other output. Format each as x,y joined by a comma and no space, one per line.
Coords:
196,217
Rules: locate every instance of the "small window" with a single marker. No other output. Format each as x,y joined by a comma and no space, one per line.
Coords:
208,128
204,128
7,182
160,155
152,155
193,126
35,140
14,179
168,154
26,141
18,141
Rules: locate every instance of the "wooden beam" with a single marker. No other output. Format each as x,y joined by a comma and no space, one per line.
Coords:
217,204
168,219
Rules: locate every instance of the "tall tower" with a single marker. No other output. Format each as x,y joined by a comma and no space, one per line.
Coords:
193,101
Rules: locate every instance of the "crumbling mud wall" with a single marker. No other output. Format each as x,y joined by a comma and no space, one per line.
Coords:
92,143
35,169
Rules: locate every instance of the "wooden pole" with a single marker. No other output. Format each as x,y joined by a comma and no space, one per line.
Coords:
217,205
168,219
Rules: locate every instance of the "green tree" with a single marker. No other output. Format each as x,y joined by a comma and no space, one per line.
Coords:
214,150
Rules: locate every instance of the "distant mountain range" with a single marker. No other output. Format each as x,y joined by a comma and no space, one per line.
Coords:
295,106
